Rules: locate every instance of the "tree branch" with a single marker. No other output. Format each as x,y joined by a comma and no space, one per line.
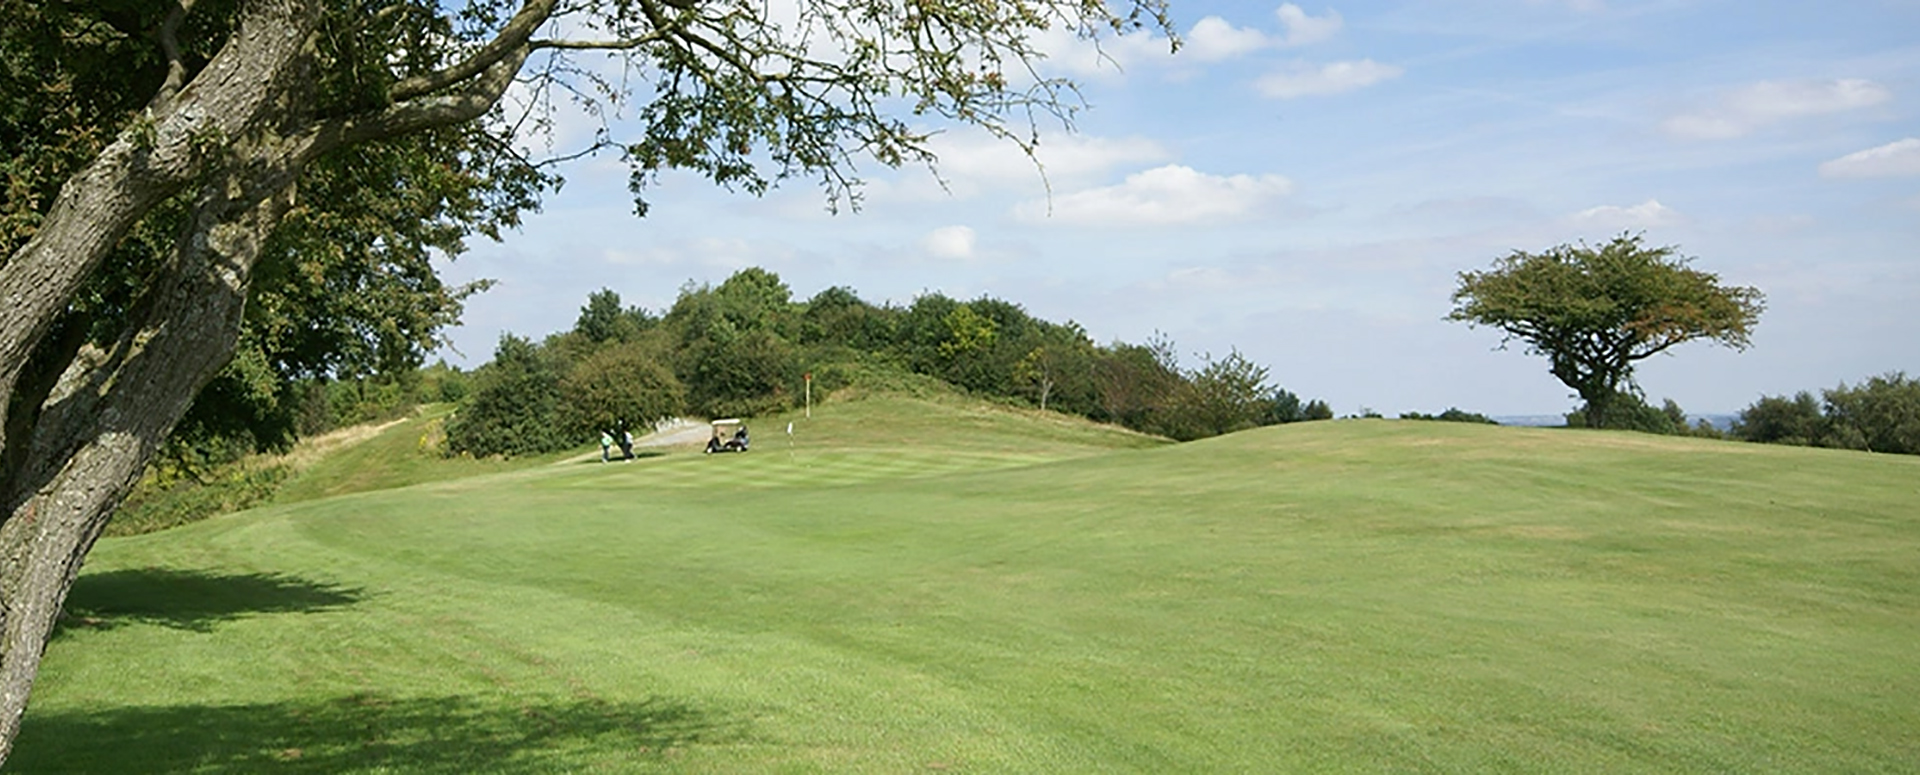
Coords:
170,47
425,112
510,42
607,45
152,159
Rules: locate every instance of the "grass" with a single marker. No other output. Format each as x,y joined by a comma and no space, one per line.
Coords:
355,459
397,455
944,586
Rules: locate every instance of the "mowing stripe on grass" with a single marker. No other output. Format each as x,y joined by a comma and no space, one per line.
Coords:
1332,596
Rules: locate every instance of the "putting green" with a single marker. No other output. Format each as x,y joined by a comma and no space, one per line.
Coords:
940,586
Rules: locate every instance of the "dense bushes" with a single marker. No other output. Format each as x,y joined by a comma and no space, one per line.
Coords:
170,497
741,375
1881,414
1782,420
735,350
515,406
741,349
248,408
1629,412
625,384
1452,414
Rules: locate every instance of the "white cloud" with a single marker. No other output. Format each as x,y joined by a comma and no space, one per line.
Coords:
1213,39
1898,158
1750,107
975,162
1069,54
1645,215
1303,29
954,242
1306,80
1171,194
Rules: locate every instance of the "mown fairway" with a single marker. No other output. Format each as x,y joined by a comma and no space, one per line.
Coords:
1002,593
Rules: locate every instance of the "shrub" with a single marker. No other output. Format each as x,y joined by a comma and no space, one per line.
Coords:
373,399
1450,415
444,384
1781,420
626,385
1880,415
167,498
740,374
1628,412
1282,406
514,409
1135,385
1228,395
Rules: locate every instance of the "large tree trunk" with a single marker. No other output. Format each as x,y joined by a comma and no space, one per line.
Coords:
152,160
91,444
73,451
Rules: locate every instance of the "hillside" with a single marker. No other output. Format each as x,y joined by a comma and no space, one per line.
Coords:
411,450
919,585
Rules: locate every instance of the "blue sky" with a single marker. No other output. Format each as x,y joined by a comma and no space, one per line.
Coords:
1304,182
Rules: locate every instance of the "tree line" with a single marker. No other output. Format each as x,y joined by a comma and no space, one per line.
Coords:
1881,414
744,348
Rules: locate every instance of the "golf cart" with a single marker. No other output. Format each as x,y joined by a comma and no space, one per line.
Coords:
728,436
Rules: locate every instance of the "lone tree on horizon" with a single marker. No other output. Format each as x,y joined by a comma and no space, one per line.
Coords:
1596,311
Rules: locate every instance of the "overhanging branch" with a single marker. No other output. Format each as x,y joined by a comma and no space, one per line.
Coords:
601,45
510,42
414,115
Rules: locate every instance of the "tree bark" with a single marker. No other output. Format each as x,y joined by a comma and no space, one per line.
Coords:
97,428
69,453
150,161
92,443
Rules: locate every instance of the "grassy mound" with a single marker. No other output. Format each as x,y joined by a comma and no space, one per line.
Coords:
911,585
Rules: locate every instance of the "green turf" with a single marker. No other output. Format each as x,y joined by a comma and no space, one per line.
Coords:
406,453
941,586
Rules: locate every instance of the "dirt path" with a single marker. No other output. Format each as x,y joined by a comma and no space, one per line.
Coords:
677,432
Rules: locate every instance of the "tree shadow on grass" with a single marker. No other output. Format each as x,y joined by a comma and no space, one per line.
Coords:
193,600
364,733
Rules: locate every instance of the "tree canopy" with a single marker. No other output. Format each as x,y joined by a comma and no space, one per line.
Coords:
1595,312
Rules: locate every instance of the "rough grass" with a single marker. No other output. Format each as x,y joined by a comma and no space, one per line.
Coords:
939,586
393,455
361,458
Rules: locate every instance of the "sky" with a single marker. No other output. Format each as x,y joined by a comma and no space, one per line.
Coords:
1304,183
